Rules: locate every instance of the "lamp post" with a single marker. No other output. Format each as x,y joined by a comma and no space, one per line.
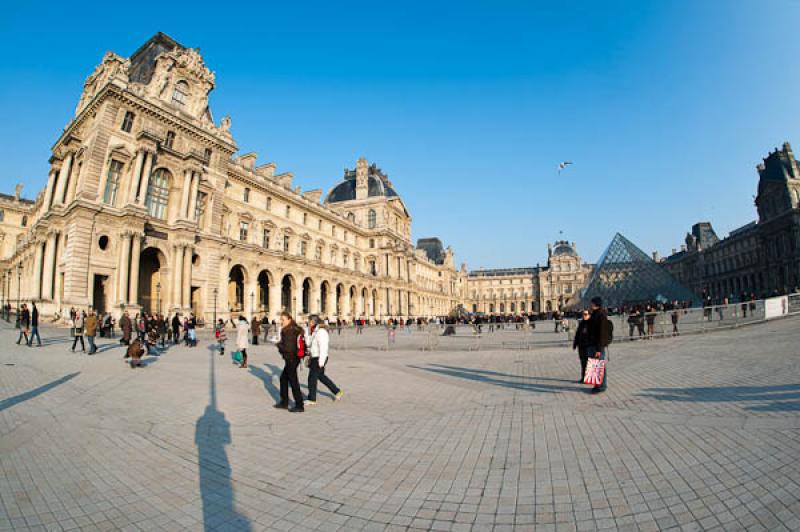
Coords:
158,296
215,307
19,289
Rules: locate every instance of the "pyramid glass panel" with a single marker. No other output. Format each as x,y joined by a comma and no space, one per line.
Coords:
627,275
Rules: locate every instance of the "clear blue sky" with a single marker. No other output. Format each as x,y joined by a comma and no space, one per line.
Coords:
664,107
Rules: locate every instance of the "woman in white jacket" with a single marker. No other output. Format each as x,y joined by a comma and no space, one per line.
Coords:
317,340
242,338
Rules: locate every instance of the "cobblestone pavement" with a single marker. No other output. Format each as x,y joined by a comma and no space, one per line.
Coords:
694,433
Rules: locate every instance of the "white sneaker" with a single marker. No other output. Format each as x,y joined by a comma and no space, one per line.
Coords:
309,402
339,396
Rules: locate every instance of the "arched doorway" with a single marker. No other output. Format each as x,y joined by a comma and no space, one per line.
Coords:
364,311
374,308
286,293
339,302
151,289
263,291
306,296
236,289
353,300
323,298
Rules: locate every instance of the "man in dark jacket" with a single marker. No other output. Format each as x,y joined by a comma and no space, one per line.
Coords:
581,342
287,347
24,324
35,327
599,338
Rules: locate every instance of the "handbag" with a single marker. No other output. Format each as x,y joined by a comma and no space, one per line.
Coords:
595,369
237,356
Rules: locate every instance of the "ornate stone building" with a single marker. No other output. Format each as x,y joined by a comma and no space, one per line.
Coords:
147,207
535,289
760,257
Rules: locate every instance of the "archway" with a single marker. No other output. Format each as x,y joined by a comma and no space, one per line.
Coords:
307,296
323,298
286,293
236,289
262,293
151,288
364,310
353,301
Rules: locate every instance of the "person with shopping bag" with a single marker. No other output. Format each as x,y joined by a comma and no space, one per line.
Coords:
599,339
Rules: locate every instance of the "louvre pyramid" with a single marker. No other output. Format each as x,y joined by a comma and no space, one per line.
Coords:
625,274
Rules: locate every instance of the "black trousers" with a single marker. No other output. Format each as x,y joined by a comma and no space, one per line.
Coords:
289,376
75,342
583,353
317,373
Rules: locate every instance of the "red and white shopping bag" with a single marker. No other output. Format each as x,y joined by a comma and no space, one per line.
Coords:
595,368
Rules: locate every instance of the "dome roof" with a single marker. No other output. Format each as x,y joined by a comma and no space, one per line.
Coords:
562,247
378,184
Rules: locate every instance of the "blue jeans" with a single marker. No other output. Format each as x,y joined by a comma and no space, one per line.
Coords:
603,356
92,347
35,332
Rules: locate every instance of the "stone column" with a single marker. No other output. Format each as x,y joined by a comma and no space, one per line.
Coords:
275,297
148,167
122,270
187,180
316,299
346,303
298,299
177,275
37,272
48,195
135,177
190,208
187,277
136,250
66,168
49,266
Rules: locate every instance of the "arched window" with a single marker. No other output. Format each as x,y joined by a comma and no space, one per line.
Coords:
158,194
25,221
372,219
351,217
180,93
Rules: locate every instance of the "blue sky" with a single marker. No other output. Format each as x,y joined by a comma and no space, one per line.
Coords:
665,108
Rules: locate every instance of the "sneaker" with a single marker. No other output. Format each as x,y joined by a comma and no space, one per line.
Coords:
296,409
309,402
339,396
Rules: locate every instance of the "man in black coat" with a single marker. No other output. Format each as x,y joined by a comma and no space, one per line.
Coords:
581,342
35,327
599,338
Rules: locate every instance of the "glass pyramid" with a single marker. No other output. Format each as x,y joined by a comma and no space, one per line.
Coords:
625,274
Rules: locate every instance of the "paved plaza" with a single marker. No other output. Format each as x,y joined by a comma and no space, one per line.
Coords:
696,432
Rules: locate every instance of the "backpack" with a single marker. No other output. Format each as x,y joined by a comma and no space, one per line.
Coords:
301,345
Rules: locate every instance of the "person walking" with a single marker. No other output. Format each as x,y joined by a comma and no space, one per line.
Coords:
265,327
221,335
650,316
126,327
581,342
242,340
675,317
176,329
24,324
34,327
91,330
77,331
287,347
255,329
599,338
318,340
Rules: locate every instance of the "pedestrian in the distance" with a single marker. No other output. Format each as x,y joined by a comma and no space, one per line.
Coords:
90,325
35,327
255,327
24,324
221,335
126,325
581,342
318,340
242,338
287,347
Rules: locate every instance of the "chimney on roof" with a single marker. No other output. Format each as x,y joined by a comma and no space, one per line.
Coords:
18,191
656,257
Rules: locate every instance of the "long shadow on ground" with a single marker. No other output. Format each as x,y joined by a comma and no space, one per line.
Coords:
504,380
781,397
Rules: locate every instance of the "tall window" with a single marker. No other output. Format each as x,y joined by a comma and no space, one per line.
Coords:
303,248
286,244
269,203
180,93
351,217
373,269
288,211
265,239
243,227
372,242
318,254
158,194
127,122
372,219
246,196
170,140
25,220
305,218
112,182
207,155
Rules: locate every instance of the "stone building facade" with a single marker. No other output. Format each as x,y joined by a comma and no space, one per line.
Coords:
534,289
761,257
148,207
